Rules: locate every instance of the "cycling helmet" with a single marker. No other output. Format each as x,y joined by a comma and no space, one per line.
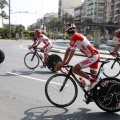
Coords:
117,32
70,27
38,31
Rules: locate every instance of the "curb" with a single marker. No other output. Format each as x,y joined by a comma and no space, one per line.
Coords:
77,53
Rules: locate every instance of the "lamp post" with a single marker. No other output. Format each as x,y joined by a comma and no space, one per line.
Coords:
9,22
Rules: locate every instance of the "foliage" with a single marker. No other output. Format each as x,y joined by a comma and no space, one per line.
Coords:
3,4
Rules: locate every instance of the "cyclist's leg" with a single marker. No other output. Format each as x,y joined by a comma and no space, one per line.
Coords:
46,52
77,69
94,67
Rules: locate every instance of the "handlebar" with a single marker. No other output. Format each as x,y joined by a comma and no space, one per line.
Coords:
117,54
66,68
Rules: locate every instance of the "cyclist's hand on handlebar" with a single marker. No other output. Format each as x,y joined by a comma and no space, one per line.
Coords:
113,54
30,47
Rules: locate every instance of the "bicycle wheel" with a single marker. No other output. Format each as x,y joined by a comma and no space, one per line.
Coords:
64,97
52,61
107,94
111,69
2,56
31,60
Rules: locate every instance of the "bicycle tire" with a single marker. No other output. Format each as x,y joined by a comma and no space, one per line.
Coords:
107,94
2,56
54,83
31,64
52,62
111,72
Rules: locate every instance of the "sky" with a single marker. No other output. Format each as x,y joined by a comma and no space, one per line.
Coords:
36,9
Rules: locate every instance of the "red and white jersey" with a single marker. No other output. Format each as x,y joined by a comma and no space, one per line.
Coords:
118,41
81,42
44,39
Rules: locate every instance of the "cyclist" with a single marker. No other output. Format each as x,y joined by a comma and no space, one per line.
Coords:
117,34
80,41
46,48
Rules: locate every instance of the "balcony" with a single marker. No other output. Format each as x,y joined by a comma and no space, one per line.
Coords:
101,2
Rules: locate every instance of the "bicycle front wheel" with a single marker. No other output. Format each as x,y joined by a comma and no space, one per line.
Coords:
111,69
31,60
58,97
107,94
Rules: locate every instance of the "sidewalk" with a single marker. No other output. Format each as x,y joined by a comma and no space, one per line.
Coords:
60,49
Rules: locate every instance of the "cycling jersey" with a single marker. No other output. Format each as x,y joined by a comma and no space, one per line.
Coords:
118,41
44,39
79,41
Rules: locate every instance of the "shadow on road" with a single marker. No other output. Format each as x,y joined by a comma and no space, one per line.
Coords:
54,113
26,72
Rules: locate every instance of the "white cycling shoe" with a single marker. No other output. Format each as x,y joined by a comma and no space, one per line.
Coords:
92,85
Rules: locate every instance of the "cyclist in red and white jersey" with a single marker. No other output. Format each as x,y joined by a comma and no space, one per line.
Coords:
117,34
47,44
92,55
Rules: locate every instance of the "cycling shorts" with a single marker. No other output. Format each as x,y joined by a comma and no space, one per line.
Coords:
47,48
91,62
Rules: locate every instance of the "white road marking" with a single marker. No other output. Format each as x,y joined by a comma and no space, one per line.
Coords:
21,46
32,78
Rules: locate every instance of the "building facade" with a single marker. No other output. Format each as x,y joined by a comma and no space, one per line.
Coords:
67,6
95,10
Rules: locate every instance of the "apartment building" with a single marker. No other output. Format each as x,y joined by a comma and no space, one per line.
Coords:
67,6
95,9
114,11
77,14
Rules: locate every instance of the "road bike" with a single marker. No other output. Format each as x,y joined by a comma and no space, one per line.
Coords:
112,69
2,56
32,59
61,90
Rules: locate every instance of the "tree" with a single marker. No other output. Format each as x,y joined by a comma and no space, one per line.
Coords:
3,3
19,29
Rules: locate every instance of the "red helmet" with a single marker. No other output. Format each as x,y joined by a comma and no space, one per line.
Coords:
38,31
117,32
70,27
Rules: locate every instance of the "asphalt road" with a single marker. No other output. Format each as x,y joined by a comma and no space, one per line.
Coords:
22,94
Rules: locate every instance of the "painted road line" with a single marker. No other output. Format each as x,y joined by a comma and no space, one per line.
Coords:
32,78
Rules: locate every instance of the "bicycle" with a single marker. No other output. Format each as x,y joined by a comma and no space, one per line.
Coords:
32,60
61,90
112,69
2,56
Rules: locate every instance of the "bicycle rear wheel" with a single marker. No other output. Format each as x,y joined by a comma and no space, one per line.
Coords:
64,97
112,69
31,60
2,56
107,94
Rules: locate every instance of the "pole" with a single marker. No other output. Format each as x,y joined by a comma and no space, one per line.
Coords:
9,22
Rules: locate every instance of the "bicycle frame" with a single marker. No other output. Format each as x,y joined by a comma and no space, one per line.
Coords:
35,52
70,73
116,59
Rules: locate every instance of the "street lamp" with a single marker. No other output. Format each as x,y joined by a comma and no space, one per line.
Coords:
9,22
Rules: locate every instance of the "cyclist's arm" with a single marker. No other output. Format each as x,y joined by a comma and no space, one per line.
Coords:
38,43
32,45
70,55
116,48
66,55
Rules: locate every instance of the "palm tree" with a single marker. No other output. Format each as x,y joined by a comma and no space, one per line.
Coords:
3,3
